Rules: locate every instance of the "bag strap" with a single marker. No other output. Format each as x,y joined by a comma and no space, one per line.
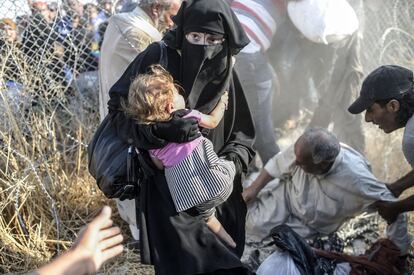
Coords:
163,55
130,165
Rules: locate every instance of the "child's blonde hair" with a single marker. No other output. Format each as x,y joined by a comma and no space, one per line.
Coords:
149,94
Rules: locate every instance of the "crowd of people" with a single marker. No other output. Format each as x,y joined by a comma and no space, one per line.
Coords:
62,39
190,85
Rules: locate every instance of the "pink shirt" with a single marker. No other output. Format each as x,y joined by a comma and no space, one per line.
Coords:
173,153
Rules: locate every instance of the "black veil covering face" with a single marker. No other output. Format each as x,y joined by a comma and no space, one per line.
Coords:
206,69
181,243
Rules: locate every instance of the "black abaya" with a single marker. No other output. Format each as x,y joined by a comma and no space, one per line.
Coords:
181,243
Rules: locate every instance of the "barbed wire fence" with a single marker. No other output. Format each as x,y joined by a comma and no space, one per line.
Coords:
49,84
387,33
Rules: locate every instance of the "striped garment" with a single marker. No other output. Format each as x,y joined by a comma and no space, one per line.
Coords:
258,18
202,179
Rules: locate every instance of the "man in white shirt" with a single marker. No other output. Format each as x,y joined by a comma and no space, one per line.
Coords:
126,36
321,184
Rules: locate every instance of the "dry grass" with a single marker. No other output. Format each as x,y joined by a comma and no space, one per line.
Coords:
46,192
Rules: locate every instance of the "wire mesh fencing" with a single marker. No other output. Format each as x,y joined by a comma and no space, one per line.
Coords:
49,54
388,33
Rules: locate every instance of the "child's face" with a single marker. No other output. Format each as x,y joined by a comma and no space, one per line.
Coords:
178,101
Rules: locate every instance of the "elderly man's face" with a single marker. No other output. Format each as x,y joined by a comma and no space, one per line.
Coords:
305,161
164,20
175,6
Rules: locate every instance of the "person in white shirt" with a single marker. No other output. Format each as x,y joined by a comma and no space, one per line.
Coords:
321,184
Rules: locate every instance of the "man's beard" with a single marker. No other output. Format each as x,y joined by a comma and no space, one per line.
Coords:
161,25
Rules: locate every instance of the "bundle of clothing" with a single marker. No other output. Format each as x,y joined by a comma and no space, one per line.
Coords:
295,256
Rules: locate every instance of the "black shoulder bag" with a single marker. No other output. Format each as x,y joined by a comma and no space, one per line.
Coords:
117,165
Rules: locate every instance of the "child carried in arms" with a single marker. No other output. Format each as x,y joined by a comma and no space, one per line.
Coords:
197,178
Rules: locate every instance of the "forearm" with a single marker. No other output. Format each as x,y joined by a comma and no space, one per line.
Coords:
211,120
404,205
260,182
405,182
71,262
141,135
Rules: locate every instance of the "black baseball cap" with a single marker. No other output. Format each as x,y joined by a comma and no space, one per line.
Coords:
385,82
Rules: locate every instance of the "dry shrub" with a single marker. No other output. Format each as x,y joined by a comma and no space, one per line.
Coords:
46,193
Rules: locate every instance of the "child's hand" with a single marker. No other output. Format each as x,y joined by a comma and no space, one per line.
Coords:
225,99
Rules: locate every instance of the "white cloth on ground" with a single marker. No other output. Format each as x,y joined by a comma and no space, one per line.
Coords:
280,263
320,204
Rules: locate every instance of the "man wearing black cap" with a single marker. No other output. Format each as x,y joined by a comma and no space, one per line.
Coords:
387,96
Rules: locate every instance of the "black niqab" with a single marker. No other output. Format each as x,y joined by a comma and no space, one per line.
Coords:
206,70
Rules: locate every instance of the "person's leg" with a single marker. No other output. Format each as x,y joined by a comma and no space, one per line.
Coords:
343,86
217,228
265,136
127,211
348,127
256,78
208,212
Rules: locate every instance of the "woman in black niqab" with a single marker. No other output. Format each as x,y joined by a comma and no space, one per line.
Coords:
181,243
206,69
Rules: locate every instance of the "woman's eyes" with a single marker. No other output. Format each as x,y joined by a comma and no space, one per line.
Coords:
213,40
196,37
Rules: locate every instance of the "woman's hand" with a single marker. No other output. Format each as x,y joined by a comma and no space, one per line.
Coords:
178,129
231,156
395,189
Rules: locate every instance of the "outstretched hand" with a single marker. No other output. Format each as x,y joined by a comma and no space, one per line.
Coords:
99,241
